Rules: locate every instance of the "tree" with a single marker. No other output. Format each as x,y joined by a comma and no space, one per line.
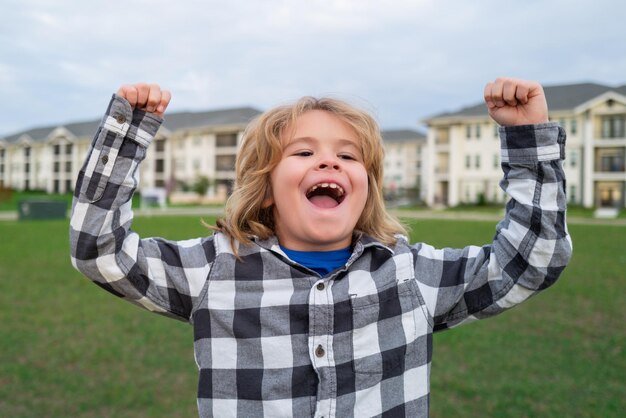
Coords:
201,185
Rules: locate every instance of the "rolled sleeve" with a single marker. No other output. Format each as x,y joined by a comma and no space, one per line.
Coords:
526,144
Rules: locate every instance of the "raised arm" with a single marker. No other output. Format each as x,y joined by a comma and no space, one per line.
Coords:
159,275
531,246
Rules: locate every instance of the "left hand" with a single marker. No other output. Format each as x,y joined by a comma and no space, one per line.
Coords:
511,101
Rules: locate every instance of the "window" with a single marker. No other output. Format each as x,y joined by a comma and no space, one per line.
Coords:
468,161
27,152
477,161
496,131
1,168
225,162
160,165
478,131
160,145
68,166
442,136
57,149
56,167
2,153
26,184
68,149
613,126
573,157
612,163
226,140
468,131
496,161
27,168
68,186
572,193
573,126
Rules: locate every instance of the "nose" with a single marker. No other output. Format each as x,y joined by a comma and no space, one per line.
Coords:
325,166
328,163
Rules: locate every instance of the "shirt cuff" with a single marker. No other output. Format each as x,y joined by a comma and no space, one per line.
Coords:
532,143
136,125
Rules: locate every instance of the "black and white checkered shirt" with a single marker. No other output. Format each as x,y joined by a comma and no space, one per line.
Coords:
273,338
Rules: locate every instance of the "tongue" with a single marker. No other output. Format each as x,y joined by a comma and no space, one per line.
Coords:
322,201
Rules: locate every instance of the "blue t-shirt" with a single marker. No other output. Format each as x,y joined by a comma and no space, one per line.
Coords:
322,262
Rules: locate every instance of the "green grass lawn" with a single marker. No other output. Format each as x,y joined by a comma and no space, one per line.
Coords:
69,349
9,200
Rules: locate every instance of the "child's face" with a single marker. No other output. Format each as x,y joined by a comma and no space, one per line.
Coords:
320,186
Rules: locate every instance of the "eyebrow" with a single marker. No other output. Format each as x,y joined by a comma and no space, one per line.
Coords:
308,139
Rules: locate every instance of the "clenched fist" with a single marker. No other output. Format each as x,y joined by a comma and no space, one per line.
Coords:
516,102
148,97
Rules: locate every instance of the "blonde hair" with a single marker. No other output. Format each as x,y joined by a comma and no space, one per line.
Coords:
261,150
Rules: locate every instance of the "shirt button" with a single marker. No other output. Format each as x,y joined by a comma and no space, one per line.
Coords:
120,119
104,159
319,351
320,286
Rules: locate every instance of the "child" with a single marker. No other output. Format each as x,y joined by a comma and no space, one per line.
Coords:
308,300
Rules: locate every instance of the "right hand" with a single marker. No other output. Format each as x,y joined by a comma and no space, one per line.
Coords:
147,97
511,102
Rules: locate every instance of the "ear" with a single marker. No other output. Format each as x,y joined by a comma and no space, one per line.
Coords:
268,200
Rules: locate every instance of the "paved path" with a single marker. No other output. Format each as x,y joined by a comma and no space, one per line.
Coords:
488,217
413,214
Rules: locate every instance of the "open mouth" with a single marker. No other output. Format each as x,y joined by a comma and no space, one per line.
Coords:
326,195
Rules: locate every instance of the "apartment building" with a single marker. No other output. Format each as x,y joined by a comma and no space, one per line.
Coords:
463,149
403,177
457,162
188,145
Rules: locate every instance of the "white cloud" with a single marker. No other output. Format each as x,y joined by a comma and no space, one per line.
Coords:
405,59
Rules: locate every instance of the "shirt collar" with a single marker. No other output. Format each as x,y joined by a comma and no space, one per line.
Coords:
360,241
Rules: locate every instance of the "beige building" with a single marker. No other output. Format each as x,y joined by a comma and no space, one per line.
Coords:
463,151
403,164
187,146
458,162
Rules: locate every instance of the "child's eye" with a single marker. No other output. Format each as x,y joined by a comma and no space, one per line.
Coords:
303,153
347,157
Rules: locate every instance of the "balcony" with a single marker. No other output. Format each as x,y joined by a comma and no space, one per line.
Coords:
442,136
610,160
611,128
612,166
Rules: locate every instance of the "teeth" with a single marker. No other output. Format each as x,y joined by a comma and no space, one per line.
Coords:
330,185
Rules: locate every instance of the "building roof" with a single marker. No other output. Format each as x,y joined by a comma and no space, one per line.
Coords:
562,97
187,120
173,122
402,135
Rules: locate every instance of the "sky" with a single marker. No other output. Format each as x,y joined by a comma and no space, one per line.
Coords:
402,60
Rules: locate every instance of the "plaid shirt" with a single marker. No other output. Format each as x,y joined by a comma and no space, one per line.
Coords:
273,338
